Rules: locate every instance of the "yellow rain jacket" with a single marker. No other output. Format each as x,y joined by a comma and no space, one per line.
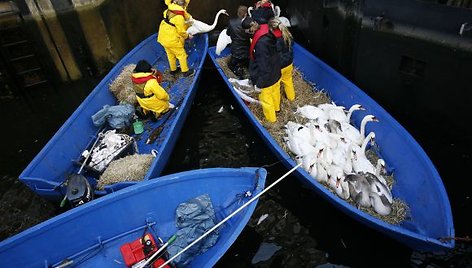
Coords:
187,16
150,95
172,31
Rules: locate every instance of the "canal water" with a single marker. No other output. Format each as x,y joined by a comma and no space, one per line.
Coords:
291,226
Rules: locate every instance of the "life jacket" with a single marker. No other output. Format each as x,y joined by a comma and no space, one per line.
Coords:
140,82
263,30
176,12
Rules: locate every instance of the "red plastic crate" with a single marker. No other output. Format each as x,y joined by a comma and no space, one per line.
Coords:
133,252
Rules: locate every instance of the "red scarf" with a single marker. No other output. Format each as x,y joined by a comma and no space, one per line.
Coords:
178,12
263,30
142,80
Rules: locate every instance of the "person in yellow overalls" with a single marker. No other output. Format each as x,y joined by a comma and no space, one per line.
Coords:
172,36
264,67
150,95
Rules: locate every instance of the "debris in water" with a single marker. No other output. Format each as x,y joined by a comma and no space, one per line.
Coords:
262,218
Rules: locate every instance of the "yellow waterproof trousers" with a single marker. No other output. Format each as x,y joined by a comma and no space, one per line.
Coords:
177,53
270,100
287,81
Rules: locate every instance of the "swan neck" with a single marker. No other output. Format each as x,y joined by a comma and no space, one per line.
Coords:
363,123
216,19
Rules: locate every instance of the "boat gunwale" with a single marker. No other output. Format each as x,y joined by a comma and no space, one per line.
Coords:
150,185
326,194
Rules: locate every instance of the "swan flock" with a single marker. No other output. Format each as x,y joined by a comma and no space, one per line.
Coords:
333,151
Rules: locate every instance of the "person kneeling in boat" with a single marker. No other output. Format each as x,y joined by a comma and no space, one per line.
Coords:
150,95
285,50
240,42
172,35
264,67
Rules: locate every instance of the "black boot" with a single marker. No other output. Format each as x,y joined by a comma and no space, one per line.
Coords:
189,72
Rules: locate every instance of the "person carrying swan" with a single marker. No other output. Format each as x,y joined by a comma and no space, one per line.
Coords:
172,36
264,68
285,50
150,95
240,42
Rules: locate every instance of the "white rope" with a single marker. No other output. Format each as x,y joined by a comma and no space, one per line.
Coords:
231,215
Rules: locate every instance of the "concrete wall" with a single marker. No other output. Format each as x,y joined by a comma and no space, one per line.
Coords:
405,51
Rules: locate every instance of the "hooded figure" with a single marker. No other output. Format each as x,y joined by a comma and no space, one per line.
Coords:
172,36
264,68
150,95
263,12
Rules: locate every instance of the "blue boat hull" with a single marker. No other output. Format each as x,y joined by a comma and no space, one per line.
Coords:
49,169
91,235
417,180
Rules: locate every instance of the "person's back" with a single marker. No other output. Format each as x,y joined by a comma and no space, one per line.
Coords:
265,69
240,42
265,66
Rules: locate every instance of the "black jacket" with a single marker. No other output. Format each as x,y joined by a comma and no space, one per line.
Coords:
240,41
265,69
285,52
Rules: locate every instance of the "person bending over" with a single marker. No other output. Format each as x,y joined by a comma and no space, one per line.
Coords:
150,95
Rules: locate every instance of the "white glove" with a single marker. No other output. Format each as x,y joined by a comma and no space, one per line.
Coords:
171,106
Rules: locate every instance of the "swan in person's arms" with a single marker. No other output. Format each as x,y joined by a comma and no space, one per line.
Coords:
201,27
223,41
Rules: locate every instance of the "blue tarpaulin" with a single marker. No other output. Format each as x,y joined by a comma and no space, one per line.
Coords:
193,219
118,116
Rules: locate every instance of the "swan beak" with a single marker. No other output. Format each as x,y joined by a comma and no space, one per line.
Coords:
226,13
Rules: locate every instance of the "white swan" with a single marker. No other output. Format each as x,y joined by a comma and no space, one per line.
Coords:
353,134
380,204
285,22
201,27
223,41
311,112
337,182
359,189
379,188
360,163
341,116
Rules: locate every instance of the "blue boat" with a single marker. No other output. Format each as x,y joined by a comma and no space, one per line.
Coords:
91,235
429,225
47,172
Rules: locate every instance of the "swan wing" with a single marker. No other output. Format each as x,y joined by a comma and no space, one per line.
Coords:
223,41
